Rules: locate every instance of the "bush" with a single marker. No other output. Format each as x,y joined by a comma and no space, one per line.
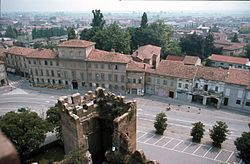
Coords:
243,146
160,123
219,133
197,131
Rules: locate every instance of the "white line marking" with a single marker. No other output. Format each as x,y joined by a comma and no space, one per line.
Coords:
176,145
218,154
229,156
149,138
187,147
197,149
158,140
171,139
141,136
207,152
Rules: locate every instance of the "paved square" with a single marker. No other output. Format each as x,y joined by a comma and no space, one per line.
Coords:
202,150
163,141
154,139
192,148
172,144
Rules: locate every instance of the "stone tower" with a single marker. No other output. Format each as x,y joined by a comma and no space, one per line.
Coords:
98,123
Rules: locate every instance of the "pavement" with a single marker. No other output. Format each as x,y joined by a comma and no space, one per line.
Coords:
174,146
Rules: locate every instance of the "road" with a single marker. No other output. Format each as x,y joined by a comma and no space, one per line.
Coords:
175,145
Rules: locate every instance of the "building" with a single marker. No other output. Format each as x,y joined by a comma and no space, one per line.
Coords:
3,76
187,60
98,123
230,48
229,61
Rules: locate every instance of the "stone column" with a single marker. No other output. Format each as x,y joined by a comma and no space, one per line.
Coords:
204,102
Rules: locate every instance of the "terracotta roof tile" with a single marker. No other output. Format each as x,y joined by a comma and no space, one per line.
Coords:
238,76
175,58
42,54
228,59
2,54
147,51
19,51
190,60
137,66
176,69
105,56
76,43
211,73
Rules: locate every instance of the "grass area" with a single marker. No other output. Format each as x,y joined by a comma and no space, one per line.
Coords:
48,155
24,38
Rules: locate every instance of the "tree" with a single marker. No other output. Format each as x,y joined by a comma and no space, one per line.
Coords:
248,51
98,20
235,38
53,117
208,45
76,157
219,133
243,144
11,32
144,20
26,130
71,33
197,131
160,123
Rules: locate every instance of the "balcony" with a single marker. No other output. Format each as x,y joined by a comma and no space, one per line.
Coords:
210,92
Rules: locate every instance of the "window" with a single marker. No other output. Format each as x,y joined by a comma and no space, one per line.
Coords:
66,82
102,66
216,88
51,63
34,62
248,103
41,72
116,67
129,80
96,65
36,72
134,81
82,76
65,74
171,83
52,73
102,76
90,84
227,92
238,102
122,78
42,80
89,65
47,72
59,82
158,81
97,77
110,86
179,85
186,86
45,62
116,87
139,81
165,82
110,66
73,74
53,81
48,80
57,63
83,83
58,73
240,93
122,87
39,62
37,80
149,79
110,77
205,87
116,78
196,85
103,85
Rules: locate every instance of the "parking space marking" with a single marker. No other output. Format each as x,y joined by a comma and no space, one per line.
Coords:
187,147
177,145
167,142
149,138
197,149
158,140
141,136
217,154
207,151
230,156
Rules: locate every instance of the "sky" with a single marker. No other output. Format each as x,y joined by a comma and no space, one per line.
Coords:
123,5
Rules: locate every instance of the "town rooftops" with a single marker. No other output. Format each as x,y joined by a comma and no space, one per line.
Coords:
176,69
229,59
187,60
137,66
19,51
147,52
2,54
76,43
212,73
175,58
238,76
105,56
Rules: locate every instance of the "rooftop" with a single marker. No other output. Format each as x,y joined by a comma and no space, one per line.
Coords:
76,43
147,52
228,59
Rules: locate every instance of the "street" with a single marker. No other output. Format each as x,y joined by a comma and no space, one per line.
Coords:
174,146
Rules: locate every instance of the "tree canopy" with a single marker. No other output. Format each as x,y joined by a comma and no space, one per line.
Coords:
243,146
71,33
248,51
98,20
160,123
26,130
11,32
235,38
144,20
197,131
219,133
48,32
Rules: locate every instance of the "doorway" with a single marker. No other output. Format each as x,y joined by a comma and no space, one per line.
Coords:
171,94
225,101
75,84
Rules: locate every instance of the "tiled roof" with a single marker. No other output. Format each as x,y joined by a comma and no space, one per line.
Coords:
228,59
19,51
76,43
43,53
105,56
191,60
147,52
175,58
136,66
176,69
211,73
233,47
238,76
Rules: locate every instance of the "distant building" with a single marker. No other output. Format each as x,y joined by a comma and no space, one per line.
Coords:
3,76
187,60
230,48
229,61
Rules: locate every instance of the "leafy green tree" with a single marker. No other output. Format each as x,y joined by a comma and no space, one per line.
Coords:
26,130
11,32
248,51
113,37
98,20
243,146
53,117
71,33
215,28
197,131
144,20
235,38
208,45
219,133
160,123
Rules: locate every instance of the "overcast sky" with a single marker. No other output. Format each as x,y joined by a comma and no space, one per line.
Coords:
122,5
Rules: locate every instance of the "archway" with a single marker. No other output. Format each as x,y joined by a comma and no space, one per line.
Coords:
74,84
